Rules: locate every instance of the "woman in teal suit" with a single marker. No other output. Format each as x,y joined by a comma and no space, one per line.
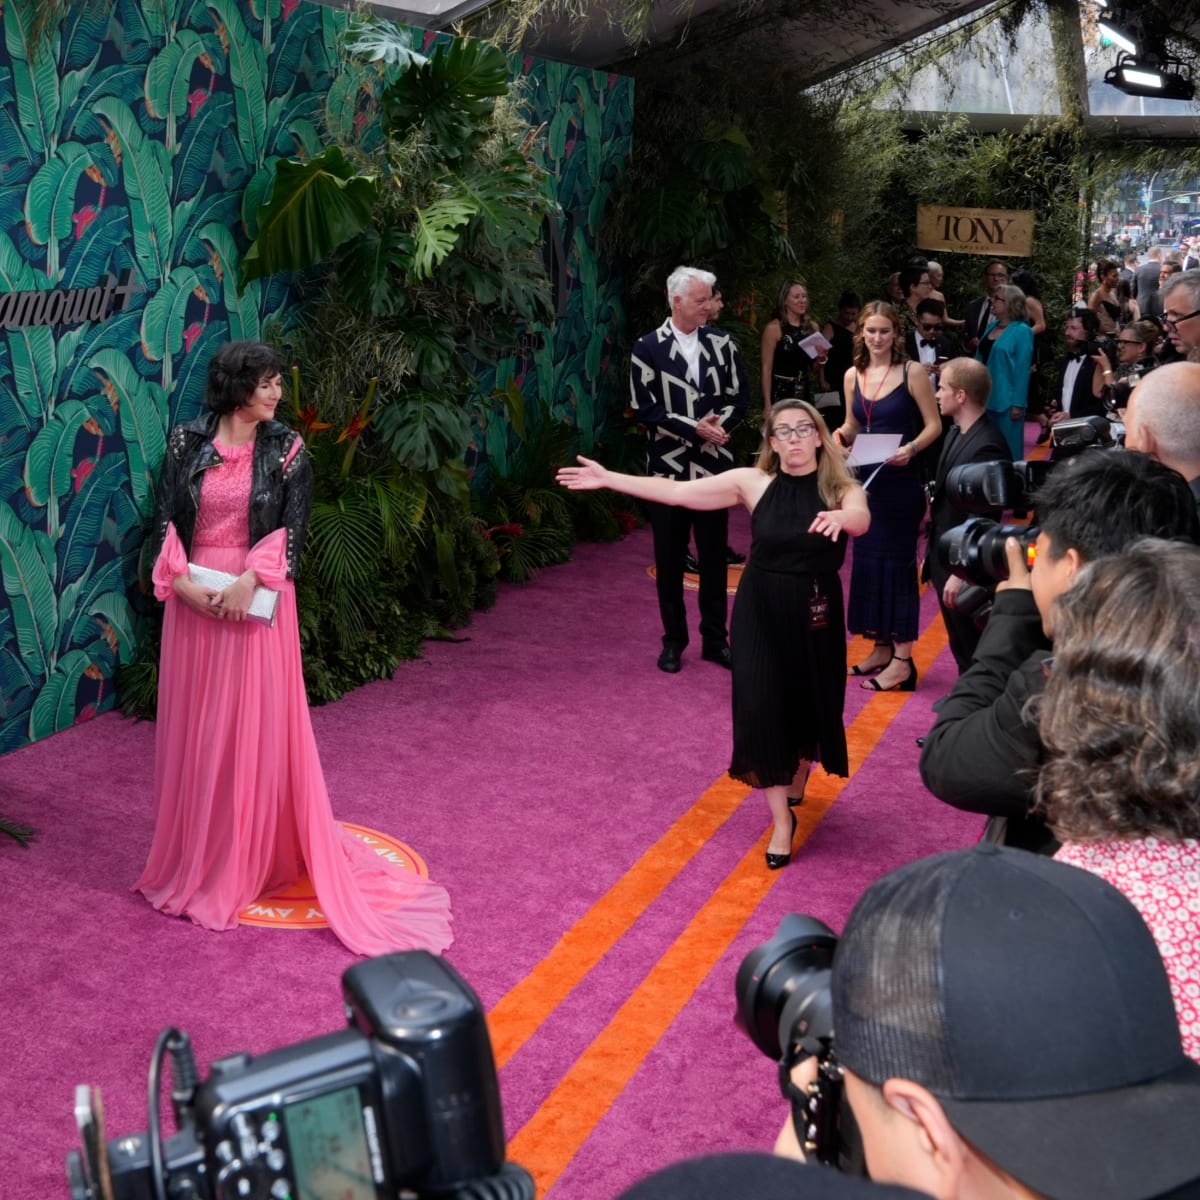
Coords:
1007,349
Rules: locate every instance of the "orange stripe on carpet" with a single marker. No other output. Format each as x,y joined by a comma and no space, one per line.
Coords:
519,1013
549,1140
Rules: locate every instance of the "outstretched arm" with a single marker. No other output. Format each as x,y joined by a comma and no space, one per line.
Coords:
711,492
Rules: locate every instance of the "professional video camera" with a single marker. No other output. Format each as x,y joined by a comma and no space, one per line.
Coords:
404,1101
784,1005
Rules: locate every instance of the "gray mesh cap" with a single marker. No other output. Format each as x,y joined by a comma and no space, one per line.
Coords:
1029,997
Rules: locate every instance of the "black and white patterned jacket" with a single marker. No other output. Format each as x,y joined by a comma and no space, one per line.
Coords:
670,405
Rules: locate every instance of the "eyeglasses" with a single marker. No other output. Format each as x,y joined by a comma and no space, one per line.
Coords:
997,275
1171,322
1129,342
785,433
930,328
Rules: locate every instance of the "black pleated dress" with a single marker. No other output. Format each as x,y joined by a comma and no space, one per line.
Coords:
788,638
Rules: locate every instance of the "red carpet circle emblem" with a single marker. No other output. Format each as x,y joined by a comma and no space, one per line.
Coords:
296,907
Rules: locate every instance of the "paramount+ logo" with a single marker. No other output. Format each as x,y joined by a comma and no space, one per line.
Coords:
68,306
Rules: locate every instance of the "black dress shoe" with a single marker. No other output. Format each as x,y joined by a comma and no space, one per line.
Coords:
733,557
776,862
690,565
721,656
921,743
670,660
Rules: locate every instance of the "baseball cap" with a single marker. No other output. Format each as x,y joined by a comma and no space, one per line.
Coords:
758,1177
1029,997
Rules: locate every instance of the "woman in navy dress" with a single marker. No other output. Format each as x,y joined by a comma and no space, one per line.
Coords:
886,394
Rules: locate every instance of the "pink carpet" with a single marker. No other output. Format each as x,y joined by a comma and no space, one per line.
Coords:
531,767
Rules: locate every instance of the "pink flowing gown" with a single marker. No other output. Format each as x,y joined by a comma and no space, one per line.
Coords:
239,796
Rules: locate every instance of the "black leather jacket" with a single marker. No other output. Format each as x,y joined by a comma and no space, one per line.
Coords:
278,497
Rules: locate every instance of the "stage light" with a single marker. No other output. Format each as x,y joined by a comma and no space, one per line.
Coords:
1153,75
1117,37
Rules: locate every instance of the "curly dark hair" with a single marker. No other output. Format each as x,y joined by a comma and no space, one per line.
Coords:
877,308
235,371
1120,718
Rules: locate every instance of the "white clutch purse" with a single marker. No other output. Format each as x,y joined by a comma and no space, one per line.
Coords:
262,606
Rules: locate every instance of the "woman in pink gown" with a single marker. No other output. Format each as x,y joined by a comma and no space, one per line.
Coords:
240,804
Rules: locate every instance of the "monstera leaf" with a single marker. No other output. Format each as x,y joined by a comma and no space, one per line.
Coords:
423,431
452,95
437,229
373,269
372,39
315,207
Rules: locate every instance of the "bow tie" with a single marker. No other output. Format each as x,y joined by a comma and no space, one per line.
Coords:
1078,357
927,344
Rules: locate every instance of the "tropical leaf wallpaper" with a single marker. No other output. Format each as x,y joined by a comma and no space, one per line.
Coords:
573,370
136,147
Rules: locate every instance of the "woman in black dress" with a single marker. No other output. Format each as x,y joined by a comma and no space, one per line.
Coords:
786,637
789,372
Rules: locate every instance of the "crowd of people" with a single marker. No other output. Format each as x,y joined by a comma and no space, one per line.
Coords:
1073,725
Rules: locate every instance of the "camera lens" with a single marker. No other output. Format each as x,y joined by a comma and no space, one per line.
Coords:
783,987
975,549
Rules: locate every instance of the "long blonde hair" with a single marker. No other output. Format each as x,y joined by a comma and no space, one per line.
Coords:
833,476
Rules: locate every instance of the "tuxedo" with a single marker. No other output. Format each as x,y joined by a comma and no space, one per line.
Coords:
943,347
669,397
983,442
1083,402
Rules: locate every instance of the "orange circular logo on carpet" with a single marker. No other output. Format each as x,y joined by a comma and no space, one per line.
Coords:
296,907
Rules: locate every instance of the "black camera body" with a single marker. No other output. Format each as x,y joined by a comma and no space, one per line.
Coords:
784,1005
405,1099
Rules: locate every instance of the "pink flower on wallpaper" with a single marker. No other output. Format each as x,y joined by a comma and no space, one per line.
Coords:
81,471
196,101
190,334
83,218
289,7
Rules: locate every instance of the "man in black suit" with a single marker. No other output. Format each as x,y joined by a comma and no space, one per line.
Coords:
1074,394
927,343
1153,305
688,389
962,396
979,311
1145,278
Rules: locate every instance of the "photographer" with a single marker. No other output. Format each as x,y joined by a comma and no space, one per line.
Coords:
983,751
962,397
1162,420
1005,1028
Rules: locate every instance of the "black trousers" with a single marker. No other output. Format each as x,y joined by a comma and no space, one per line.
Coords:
672,527
961,631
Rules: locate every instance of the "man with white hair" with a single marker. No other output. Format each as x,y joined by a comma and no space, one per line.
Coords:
688,388
1163,420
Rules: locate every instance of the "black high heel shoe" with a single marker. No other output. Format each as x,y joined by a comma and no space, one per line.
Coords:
858,668
905,685
796,801
775,861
